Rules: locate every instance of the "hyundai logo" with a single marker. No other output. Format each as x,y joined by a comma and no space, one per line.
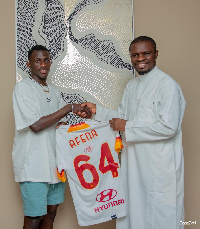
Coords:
106,195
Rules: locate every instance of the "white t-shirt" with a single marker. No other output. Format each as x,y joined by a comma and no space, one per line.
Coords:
86,151
34,154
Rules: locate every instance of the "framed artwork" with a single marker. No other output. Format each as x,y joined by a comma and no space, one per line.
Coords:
88,42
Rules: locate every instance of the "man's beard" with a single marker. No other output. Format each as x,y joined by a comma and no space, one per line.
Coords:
145,72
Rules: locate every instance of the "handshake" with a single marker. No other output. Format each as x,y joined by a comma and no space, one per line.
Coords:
87,110
84,110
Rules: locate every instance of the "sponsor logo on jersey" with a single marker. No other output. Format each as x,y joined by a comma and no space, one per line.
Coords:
106,195
108,205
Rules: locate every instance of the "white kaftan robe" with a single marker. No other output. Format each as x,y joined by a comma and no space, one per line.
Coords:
152,158
34,153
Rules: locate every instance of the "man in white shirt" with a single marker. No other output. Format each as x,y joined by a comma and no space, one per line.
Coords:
38,107
150,117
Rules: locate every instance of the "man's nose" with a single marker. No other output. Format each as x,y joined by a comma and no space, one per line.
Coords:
140,57
43,63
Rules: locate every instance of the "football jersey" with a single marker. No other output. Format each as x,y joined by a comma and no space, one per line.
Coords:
86,151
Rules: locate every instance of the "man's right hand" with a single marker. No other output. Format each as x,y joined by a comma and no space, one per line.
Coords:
87,105
92,106
82,111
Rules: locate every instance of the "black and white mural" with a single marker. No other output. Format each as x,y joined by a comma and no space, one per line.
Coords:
88,41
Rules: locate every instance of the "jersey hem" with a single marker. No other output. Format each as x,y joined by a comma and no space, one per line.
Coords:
36,180
82,223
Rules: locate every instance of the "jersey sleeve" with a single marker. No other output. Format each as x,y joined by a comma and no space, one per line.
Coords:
25,108
169,115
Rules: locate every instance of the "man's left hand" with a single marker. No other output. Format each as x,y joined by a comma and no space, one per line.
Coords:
118,124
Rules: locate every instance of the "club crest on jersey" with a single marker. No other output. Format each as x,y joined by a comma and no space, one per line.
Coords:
106,195
88,149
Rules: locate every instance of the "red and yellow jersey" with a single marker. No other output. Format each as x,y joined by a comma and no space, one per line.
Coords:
87,152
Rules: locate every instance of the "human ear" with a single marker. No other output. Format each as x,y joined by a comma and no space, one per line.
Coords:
156,54
28,64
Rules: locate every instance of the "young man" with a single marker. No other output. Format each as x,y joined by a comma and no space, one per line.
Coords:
150,117
38,106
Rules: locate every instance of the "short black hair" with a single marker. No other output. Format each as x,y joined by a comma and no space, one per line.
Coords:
143,39
36,48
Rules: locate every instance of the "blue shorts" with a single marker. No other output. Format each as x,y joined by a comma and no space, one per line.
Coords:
37,195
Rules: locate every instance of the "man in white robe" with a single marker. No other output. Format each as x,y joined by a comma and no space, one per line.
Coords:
150,117
38,107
